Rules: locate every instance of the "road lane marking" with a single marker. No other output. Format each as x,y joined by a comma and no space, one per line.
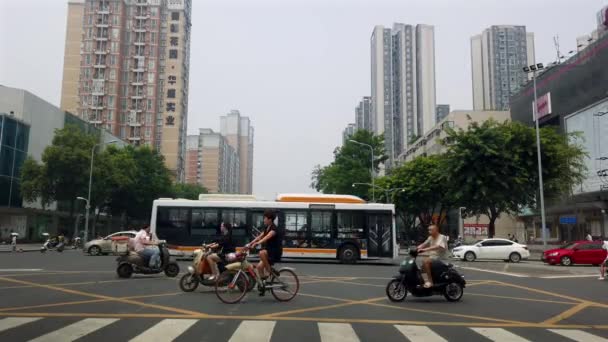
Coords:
253,331
115,299
553,294
75,331
331,332
569,276
578,335
20,269
522,298
417,333
568,313
13,322
509,274
321,307
497,334
165,330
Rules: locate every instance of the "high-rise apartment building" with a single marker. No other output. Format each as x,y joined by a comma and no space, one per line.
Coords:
212,162
403,84
363,114
498,55
441,112
238,132
133,71
348,132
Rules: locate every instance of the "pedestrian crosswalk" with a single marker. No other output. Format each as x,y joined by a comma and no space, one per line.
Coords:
101,329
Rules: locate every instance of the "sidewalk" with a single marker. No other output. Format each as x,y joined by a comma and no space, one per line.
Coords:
30,247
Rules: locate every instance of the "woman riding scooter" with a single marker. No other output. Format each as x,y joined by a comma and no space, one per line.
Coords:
225,246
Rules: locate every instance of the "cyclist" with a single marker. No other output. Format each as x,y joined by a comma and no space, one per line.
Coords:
272,248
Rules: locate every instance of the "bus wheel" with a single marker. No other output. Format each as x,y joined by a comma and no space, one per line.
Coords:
348,254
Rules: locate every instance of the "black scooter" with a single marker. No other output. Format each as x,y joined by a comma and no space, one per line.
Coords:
446,281
134,263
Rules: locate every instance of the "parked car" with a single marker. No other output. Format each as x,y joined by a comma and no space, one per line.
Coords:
500,249
104,246
578,252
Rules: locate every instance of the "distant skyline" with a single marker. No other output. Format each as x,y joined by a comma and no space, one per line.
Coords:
296,68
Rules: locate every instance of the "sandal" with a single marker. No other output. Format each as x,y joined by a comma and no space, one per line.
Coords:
428,285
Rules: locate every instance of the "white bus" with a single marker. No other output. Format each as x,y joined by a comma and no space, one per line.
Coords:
312,226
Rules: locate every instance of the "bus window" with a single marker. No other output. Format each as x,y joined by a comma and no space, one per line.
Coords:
351,225
296,225
205,226
172,224
320,226
236,221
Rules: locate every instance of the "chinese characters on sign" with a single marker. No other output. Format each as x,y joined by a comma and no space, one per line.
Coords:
476,229
170,120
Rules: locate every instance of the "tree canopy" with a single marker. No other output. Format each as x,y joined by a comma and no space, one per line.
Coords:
352,164
188,191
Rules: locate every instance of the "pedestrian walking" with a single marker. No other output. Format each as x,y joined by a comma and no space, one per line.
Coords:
589,237
605,262
14,242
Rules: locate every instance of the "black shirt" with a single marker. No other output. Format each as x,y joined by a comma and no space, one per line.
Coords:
274,243
226,244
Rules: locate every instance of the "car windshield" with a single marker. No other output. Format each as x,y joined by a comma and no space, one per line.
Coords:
568,246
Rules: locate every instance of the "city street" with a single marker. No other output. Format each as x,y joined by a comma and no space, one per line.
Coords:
67,296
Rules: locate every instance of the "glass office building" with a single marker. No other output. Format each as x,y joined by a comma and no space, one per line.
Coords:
14,136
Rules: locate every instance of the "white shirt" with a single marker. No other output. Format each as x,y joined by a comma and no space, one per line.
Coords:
140,238
605,245
14,240
589,237
441,241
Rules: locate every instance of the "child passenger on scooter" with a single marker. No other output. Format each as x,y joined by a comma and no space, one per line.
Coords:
435,247
226,245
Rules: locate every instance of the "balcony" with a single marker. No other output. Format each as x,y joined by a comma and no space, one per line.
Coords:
134,138
98,91
95,119
138,68
142,16
101,52
97,106
138,82
101,38
99,65
137,96
142,28
102,23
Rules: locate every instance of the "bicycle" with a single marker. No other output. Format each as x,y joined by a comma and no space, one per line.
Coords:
240,278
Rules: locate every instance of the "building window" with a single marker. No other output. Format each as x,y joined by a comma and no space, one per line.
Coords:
173,53
174,28
174,15
171,93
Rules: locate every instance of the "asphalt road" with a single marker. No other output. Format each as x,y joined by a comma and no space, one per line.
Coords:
69,296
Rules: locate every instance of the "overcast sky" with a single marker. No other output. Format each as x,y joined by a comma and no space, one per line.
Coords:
297,68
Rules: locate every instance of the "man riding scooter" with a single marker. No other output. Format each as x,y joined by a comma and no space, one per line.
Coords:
435,247
146,248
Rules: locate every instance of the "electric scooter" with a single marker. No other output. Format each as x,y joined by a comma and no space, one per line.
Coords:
446,281
132,262
200,271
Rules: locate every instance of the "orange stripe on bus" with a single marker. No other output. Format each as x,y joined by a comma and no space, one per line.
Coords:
320,200
289,250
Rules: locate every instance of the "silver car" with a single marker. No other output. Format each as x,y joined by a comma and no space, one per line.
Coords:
104,246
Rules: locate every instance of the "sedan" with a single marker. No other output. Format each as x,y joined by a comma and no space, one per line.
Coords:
104,246
499,249
578,252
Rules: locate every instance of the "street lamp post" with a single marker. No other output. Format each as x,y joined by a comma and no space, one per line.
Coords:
371,148
461,222
88,199
533,69
386,191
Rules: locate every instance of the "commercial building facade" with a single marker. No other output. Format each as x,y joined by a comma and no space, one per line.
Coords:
441,112
572,97
498,55
402,84
238,133
133,71
27,127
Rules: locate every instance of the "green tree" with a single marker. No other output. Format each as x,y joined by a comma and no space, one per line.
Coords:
494,167
352,164
422,190
188,191
63,174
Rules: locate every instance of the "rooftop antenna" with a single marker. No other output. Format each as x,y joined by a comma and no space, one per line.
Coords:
556,44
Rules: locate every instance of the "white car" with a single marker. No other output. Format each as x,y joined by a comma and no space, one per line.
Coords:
500,249
104,246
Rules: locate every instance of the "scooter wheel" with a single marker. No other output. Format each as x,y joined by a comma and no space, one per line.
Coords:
396,291
124,271
42,250
453,292
188,282
172,270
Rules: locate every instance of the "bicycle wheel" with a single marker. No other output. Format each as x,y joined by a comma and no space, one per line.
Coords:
231,286
287,285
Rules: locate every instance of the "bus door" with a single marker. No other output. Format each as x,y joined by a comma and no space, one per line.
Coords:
379,237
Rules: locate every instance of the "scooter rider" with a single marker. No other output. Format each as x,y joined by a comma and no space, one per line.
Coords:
436,248
146,248
226,245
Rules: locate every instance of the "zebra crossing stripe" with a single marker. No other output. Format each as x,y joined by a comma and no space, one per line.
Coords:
578,335
253,331
497,334
416,333
75,331
165,330
331,332
13,322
